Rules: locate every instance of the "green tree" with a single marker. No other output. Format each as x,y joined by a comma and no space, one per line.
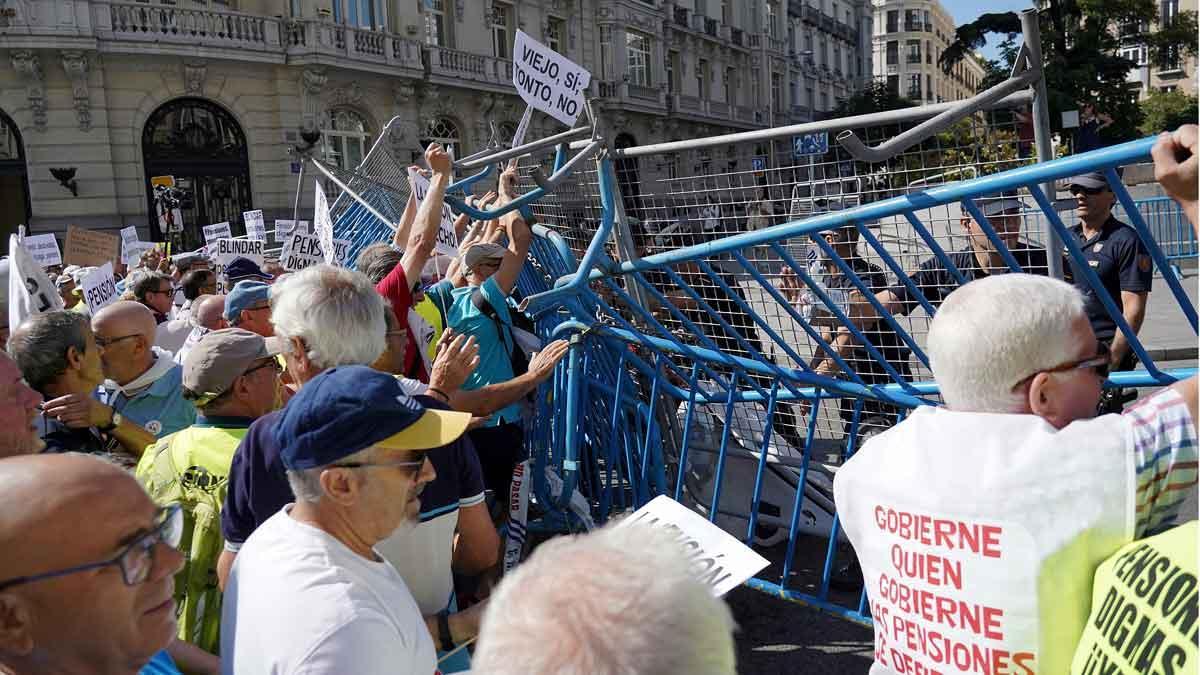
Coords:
1167,110
874,97
1080,52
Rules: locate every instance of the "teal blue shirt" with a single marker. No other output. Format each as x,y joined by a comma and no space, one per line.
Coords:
495,361
161,664
160,408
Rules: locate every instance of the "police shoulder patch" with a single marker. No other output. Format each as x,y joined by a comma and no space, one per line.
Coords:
1143,263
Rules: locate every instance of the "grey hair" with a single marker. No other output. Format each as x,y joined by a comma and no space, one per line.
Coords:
306,483
336,312
636,606
991,333
39,345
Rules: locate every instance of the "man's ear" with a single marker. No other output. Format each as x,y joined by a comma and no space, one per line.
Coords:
74,358
16,626
340,486
1045,400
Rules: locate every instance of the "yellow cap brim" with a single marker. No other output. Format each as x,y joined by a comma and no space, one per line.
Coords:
433,430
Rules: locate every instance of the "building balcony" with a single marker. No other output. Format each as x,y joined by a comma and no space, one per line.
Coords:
746,114
317,40
131,27
718,109
912,58
711,27
737,37
455,64
827,23
643,92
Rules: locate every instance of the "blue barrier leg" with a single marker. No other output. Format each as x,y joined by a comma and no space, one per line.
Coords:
728,428
831,552
798,503
687,432
762,464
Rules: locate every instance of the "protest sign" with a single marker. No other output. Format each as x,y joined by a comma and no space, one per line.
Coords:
322,225
446,242
519,137
302,227
217,231
719,561
29,289
44,249
100,288
547,80
89,248
283,229
129,234
300,251
256,229
341,249
227,249
134,250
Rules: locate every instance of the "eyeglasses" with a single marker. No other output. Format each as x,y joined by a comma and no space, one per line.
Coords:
270,363
104,342
1076,189
136,560
1098,363
397,464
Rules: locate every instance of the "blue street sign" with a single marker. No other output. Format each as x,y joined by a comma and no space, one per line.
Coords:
810,144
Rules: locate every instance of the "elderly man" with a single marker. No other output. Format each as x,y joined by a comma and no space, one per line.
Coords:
143,382
248,306
196,284
208,314
1114,252
667,622
1000,505
233,379
19,432
58,355
85,579
308,592
154,290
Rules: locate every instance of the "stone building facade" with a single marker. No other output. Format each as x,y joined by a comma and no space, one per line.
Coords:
909,37
216,92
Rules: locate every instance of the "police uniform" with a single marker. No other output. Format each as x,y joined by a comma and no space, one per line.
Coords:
1117,256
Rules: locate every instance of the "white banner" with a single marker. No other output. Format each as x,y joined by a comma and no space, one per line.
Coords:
227,249
322,225
44,249
256,229
719,561
283,229
29,289
447,240
518,513
519,137
217,231
131,252
548,80
100,288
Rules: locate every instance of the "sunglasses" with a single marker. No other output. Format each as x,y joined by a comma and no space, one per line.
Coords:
1099,363
270,363
1077,189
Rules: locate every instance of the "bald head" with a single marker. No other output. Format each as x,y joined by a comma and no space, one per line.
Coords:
62,511
125,332
211,313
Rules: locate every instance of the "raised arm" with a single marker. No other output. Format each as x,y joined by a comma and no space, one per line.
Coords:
400,239
519,236
429,215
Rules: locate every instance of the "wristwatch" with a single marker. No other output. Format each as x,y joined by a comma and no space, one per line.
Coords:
113,423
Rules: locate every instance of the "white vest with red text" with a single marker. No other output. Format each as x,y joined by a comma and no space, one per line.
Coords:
979,533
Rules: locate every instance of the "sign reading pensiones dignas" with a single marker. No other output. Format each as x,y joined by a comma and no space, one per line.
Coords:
548,80
304,250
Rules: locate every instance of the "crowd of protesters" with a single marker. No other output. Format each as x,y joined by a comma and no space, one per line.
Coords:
300,475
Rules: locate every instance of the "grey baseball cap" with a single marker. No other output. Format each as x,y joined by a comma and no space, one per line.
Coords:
480,252
220,357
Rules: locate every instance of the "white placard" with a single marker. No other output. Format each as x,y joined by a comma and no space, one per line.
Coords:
283,229
227,249
129,234
341,249
131,252
100,288
217,231
721,562
447,240
303,227
29,289
519,137
256,229
547,80
44,249
300,251
518,513
322,225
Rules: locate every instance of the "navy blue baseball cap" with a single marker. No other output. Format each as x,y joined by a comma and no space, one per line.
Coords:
351,408
244,268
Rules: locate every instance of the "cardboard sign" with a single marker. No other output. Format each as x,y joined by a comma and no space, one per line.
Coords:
44,249
256,229
29,289
217,231
446,242
519,137
283,229
721,562
89,248
300,251
303,227
100,288
547,80
322,225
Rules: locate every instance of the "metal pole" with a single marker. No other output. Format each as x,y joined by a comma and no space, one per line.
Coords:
1041,131
299,189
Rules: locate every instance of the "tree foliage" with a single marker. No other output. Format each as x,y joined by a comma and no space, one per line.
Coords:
1167,110
875,97
1080,43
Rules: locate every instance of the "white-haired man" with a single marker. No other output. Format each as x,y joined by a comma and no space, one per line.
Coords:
309,593
636,608
978,525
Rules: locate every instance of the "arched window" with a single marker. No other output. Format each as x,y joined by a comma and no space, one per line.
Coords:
347,138
443,130
14,186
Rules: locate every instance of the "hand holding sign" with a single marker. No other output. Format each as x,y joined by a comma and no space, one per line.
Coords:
547,80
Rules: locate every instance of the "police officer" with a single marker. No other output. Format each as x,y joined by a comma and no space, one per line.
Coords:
1114,252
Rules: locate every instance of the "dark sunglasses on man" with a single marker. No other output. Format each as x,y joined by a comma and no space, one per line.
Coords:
1077,189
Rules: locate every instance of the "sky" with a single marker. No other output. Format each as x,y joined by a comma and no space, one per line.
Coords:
965,11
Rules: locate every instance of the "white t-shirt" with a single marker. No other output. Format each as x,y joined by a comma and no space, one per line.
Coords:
299,601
